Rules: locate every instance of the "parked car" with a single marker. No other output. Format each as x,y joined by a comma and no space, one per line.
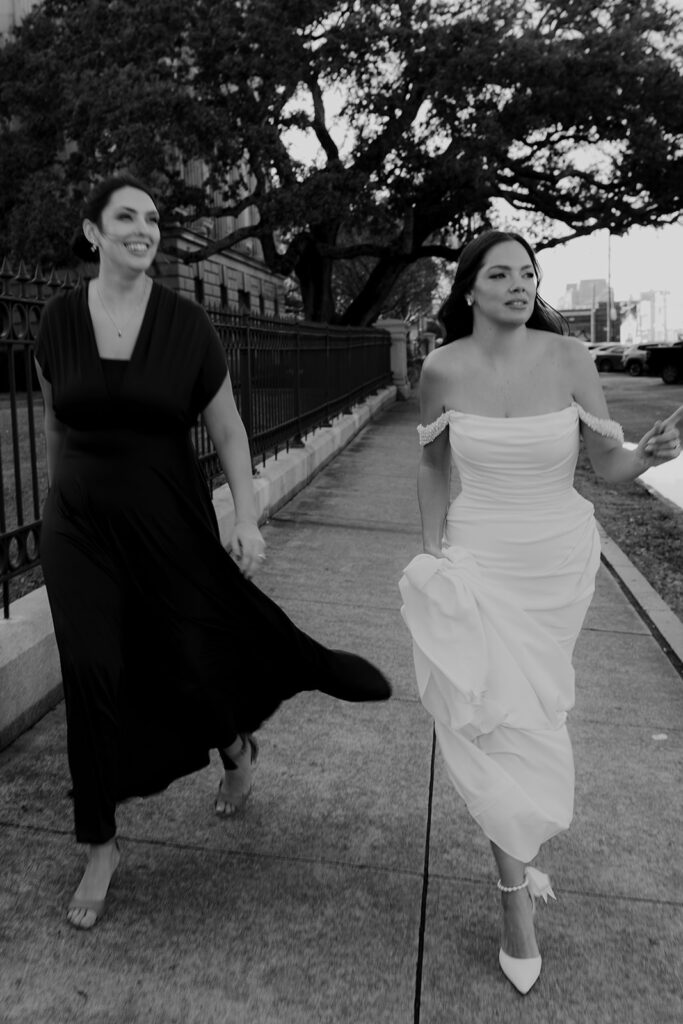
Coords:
637,357
667,362
608,357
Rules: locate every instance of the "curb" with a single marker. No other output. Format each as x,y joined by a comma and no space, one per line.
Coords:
664,624
30,675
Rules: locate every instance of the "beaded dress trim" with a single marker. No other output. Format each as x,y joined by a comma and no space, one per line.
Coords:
606,428
428,434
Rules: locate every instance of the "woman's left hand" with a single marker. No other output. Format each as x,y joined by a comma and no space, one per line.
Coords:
247,547
662,442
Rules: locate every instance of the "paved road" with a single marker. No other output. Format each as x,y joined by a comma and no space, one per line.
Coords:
355,889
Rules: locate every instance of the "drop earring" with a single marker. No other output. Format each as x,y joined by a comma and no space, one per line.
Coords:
93,247
468,300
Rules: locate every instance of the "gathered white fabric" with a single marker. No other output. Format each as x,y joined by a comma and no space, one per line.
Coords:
494,620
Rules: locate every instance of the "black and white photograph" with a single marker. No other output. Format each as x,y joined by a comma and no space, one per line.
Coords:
341,511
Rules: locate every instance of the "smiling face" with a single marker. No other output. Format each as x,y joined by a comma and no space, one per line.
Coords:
128,231
504,289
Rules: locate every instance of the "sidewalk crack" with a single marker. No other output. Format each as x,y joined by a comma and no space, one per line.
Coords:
425,886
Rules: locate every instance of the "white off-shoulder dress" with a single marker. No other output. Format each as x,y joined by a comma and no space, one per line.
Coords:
495,619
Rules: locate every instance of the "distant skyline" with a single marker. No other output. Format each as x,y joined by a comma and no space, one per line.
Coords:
645,259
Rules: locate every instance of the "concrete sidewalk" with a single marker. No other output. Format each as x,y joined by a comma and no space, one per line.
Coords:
355,889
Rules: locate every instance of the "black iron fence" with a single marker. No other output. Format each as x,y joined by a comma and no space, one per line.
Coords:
288,377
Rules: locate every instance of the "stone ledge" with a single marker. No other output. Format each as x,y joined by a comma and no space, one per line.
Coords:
30,678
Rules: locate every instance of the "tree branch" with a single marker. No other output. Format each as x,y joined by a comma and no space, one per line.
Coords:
236,209
221,244
318,124
352,252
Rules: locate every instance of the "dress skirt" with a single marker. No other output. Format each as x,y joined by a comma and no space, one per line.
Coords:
495,619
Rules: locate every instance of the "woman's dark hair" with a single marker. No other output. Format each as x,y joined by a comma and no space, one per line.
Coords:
94,205
456,316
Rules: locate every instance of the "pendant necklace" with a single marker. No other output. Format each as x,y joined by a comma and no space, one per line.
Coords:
120,330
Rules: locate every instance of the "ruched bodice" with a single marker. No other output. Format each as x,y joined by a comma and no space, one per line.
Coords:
495,619
524,462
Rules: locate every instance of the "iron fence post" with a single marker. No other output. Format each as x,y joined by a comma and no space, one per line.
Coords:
245,377
298,441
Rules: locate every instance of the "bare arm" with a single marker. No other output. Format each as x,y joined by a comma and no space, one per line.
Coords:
229,437
434,472
610,460
54,428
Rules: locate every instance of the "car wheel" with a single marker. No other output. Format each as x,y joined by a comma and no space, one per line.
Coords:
635,368
669,373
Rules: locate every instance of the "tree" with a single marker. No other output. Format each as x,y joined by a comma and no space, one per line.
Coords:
455,114
414,295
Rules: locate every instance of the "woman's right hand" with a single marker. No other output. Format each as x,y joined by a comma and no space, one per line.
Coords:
662,442
247,547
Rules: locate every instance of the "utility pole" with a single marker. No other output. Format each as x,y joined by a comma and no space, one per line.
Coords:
664,310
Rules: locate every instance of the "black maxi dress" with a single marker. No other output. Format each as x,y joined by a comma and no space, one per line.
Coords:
166,650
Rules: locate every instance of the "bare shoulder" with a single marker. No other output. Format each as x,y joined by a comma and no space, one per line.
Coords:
569,355
572,351
560,345
439,374
447,362
577,369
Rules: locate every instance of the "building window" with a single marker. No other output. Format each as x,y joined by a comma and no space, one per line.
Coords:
199,290
224,294
243,301
262,305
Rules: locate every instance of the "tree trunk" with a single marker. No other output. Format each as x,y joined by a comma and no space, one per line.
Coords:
314,273
370,301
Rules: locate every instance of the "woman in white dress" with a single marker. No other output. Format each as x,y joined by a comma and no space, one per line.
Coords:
497,599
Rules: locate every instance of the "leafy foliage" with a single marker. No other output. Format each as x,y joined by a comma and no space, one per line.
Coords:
451,115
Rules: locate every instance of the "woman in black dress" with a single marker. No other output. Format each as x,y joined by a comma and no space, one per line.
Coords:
167,648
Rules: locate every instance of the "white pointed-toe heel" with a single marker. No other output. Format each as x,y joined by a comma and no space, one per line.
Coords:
524,972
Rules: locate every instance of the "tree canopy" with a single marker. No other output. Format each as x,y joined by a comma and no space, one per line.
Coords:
403,125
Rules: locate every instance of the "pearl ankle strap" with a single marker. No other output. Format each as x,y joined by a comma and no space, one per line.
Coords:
513,888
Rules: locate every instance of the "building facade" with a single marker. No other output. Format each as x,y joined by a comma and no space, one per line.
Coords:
592,324
591,312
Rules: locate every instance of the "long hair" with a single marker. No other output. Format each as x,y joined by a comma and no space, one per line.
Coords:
95,204
457,317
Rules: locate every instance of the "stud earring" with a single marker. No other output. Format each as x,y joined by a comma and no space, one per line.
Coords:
468,300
